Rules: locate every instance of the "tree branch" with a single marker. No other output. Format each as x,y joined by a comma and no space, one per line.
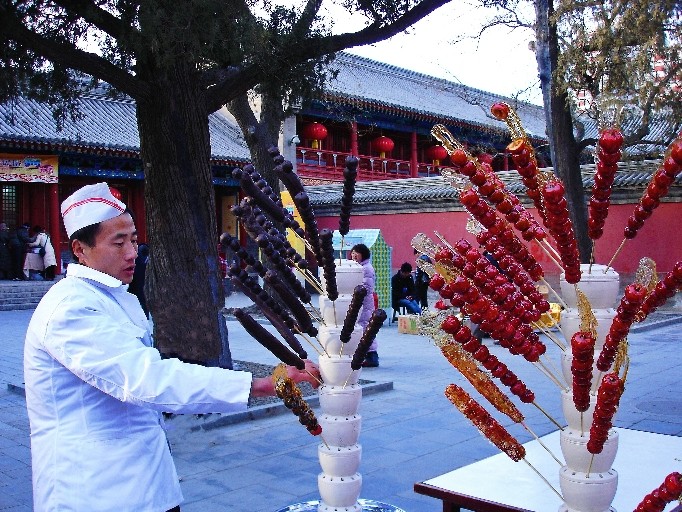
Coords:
101,19
12,29
241,80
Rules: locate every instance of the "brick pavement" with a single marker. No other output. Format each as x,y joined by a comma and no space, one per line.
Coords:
409,434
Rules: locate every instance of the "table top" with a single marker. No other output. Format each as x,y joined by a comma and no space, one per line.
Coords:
642,462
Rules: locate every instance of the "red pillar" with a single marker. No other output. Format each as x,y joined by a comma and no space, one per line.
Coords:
414,162
138,211
55,226
354,139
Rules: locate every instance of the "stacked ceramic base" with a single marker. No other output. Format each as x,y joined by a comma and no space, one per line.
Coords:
339,482
595,490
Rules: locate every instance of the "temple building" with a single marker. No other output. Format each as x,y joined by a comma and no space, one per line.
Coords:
380,113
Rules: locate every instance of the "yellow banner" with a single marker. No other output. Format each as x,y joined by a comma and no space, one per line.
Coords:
293,239
29,168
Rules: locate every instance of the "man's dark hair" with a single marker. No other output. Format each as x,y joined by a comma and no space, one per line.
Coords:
406,267
362,250
88,234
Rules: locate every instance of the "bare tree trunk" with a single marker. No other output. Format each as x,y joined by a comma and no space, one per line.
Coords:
564,150
180,212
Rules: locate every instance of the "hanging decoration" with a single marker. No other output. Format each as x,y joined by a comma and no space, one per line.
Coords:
383,145
436,154
115,192
316,132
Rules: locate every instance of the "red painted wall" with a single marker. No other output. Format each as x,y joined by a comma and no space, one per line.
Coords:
660,238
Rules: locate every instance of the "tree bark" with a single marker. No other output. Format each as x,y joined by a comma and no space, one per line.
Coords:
564,150
180,212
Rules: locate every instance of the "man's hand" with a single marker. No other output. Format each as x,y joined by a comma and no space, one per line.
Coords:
311,374
264,386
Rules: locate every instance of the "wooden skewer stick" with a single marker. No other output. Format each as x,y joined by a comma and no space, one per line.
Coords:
550,255
544,479
620,248
589,468
561,301
336,323
346,382
310,279
445,242
325,442
541,366
309,341
547,415
589,270
318,380
540,326
305,242
554,368
541,443
551,248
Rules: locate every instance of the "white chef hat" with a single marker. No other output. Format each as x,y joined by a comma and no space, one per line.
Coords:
89,205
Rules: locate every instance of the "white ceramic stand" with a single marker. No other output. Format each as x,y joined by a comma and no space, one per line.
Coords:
595,490
339,482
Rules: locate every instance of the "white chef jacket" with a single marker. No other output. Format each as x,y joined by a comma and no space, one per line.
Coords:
95,390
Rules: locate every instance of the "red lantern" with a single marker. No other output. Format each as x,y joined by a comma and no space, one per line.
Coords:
436,153
383,145
316,132
115,192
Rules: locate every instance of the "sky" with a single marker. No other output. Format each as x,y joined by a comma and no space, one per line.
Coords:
500,62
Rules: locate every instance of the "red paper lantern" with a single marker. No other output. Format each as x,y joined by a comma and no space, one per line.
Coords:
316,132
115,192
383,145
436,153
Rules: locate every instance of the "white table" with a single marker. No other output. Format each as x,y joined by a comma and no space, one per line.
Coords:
498,484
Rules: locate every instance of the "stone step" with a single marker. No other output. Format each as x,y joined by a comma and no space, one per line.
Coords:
16,295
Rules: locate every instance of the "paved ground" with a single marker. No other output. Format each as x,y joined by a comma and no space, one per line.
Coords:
409,434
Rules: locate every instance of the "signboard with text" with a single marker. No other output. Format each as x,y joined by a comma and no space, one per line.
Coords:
29,168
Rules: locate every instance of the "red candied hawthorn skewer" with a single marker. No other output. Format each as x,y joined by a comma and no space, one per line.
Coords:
522,154
664,290
514,272
486,277
608,398
631,302
582,348
608,155
509,330
462,335
656,189
490,186
483,213
670,490
561,229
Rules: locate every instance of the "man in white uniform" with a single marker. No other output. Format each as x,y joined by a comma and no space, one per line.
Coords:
95,388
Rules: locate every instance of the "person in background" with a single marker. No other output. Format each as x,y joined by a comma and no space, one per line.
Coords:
403,290
24,237
96,388
16,253
421,283
42,239
360,253
5,255
136,286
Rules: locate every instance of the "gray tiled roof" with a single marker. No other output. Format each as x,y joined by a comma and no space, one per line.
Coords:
631,175
106,123
662,127
367,80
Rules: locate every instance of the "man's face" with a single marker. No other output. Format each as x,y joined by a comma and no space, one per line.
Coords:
114,251
405,273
